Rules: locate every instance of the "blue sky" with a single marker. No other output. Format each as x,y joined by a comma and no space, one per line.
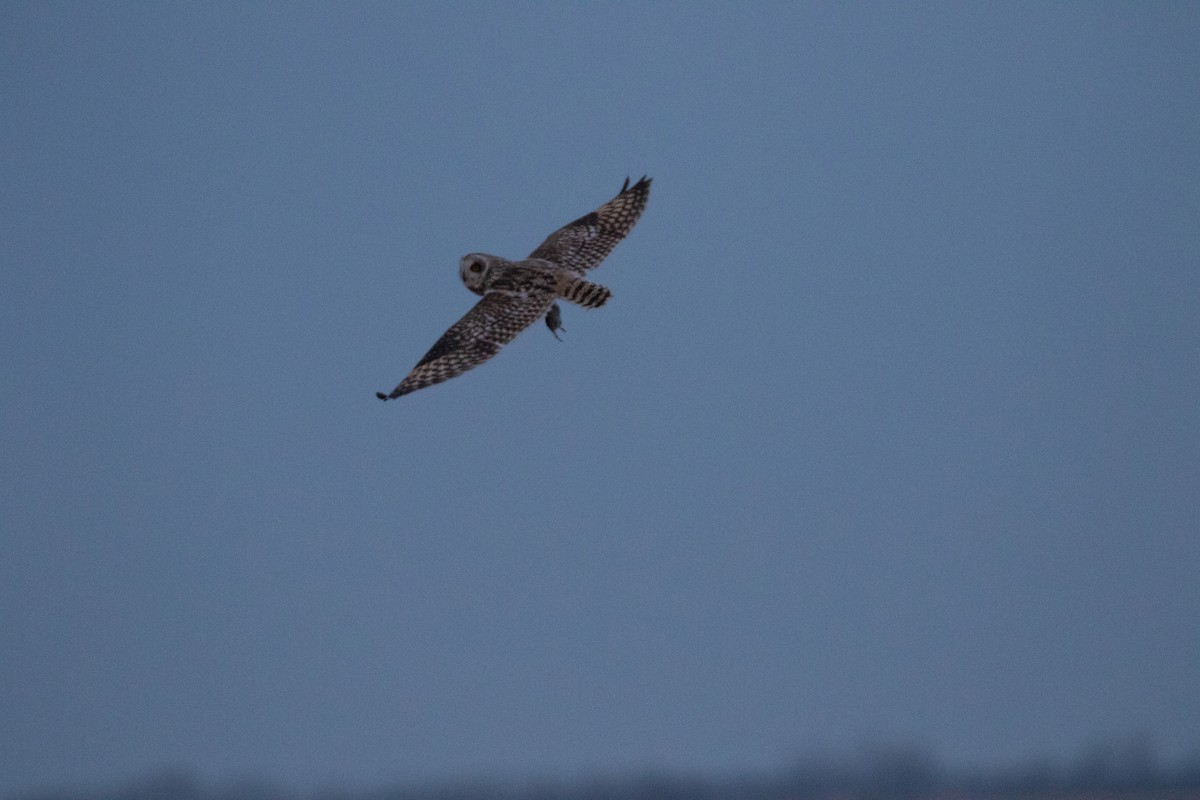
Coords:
888,432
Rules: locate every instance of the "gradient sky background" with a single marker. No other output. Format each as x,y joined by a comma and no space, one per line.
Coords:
890,431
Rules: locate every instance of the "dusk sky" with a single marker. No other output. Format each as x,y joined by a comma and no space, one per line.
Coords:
889,433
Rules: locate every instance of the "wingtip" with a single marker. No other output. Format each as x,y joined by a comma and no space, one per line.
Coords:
381,396
643,183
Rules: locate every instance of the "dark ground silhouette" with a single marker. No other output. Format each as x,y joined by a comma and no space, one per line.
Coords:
1118,770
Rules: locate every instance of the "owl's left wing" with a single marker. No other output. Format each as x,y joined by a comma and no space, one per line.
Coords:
492,323
584,243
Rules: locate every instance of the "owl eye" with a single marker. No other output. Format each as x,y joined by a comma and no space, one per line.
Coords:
476,267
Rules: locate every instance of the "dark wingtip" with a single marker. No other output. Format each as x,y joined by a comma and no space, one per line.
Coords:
643,183
381,395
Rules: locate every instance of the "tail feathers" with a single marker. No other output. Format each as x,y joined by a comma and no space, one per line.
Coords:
586,293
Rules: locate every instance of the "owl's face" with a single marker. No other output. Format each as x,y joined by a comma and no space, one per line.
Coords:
476,271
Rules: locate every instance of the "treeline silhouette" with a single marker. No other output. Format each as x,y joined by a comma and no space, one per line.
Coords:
1113,770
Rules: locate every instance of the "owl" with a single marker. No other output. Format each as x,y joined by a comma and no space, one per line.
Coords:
518,293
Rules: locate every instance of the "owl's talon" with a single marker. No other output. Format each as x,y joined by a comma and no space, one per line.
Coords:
554,320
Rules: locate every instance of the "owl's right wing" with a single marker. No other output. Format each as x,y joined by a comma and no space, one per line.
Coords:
584,243
492,323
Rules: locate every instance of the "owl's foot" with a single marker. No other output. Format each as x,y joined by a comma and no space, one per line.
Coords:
554,320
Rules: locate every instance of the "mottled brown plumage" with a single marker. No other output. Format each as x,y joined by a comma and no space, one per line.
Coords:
516,294
584,243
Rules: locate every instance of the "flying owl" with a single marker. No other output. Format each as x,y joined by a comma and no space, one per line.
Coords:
518,293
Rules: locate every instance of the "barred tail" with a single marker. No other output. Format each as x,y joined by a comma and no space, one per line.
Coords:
586,293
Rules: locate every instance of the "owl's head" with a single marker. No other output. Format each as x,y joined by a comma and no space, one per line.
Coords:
476,271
